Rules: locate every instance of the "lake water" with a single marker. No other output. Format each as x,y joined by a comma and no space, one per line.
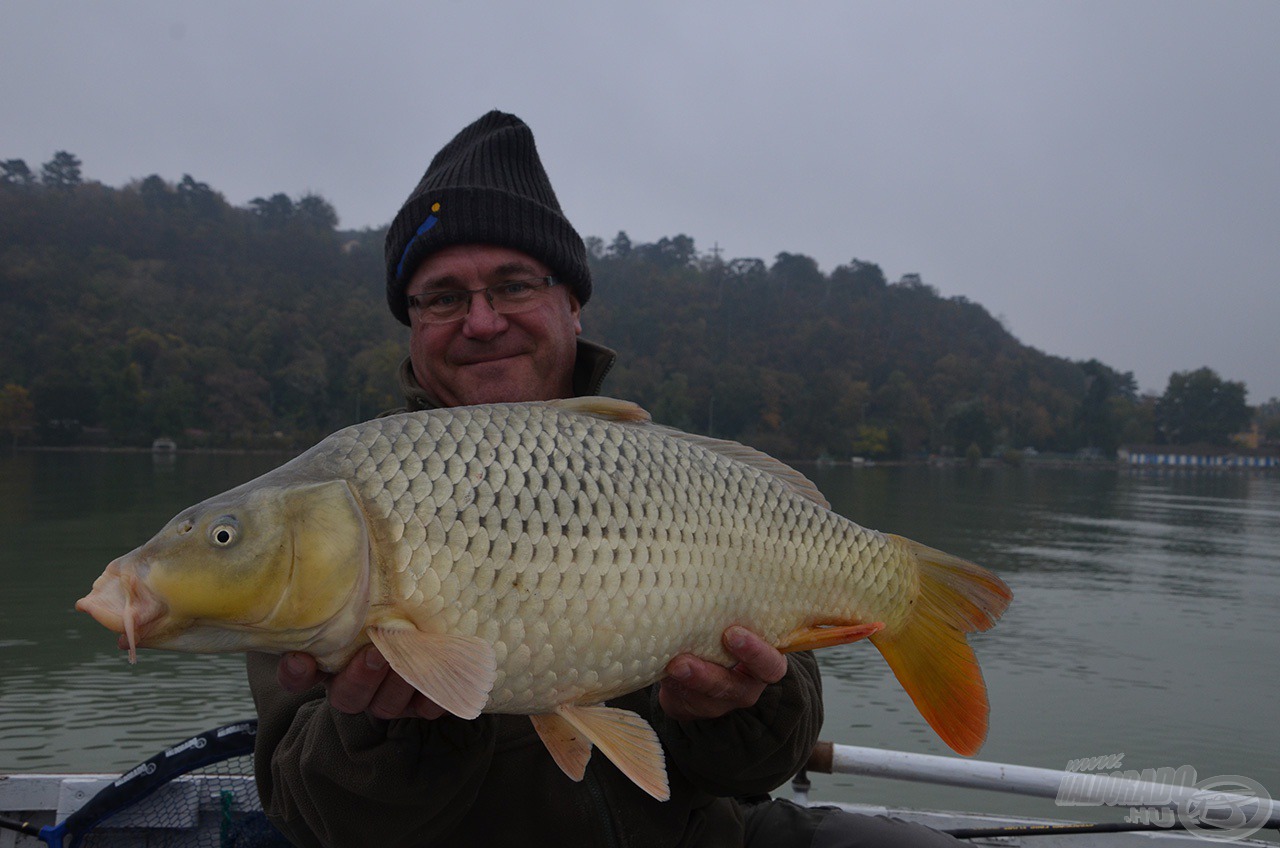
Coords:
1144,620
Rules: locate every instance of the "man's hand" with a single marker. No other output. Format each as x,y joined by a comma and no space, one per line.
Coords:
695,688
367,684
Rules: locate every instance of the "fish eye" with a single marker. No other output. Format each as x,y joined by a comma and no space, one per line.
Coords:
224,531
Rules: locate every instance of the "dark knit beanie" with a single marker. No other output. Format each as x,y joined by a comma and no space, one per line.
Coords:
487,186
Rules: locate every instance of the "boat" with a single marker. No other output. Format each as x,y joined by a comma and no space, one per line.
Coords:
200,792
197,792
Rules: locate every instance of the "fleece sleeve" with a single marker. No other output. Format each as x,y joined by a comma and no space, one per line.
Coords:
752,750
328,778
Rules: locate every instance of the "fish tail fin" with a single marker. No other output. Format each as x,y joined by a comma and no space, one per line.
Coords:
929,653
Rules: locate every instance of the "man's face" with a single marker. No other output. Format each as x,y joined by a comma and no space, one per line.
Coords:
486,357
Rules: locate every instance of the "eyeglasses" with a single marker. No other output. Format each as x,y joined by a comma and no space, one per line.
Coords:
443,306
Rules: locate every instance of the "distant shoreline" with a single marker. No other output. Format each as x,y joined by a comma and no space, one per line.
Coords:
1040,462
126,449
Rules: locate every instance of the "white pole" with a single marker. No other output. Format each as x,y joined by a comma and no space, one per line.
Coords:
1070,788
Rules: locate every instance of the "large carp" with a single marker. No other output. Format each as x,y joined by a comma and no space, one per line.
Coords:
542,558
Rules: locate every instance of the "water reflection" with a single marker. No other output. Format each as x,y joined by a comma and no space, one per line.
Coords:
1142,618
68,700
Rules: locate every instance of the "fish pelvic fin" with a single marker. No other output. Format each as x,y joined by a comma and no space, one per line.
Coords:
929,653
569,747
457,672
622,736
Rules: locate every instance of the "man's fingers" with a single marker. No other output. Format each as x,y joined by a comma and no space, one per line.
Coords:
353,689
392,698
297,672
423,707
757,658
369,685
697,689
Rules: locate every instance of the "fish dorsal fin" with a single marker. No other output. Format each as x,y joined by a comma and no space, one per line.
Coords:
607,408
626,739
757,459
624,411
456,672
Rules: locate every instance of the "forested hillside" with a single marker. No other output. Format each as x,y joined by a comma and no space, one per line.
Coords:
158,309
805,364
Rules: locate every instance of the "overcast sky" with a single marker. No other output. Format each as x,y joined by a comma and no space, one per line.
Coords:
1103,176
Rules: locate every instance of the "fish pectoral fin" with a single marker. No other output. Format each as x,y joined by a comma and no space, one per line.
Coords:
627,740
827,635
569,747
457,672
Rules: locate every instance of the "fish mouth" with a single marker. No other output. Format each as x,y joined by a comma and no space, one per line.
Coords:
122,602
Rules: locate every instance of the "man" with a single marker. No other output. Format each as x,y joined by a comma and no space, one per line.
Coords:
491,279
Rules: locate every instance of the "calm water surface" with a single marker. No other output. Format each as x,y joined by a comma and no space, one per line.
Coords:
1144,619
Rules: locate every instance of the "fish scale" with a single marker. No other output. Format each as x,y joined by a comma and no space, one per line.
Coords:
690,562
543,558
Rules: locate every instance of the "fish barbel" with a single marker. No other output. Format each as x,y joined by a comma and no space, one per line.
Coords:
542,558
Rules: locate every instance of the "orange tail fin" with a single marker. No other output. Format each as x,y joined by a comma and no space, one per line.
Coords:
929,653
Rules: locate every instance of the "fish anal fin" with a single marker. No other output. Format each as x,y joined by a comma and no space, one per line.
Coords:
457,672
929,653
627,740
610,409
569,747
817,636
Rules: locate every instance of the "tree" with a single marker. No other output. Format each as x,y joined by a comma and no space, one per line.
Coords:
1199,406
968,425
16,173
156,193
621,246
17,412
676,252
198,197
315,210
62,171
796,269
746,269
1098,418
860,277
274,210
870,442
1268,419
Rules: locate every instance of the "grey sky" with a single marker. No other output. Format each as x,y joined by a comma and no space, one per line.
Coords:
1103,176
